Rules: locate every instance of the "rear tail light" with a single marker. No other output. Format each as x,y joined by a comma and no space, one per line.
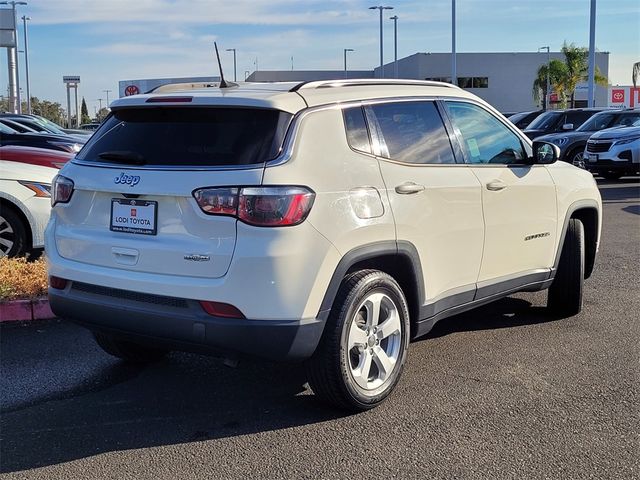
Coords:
258,206
217,309
57,283
62,190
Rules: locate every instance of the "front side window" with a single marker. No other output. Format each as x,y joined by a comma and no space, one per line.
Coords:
414,132
485,139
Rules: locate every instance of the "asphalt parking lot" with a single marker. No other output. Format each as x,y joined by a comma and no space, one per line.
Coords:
500,392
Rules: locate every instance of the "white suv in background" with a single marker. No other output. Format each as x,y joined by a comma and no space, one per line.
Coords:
326,221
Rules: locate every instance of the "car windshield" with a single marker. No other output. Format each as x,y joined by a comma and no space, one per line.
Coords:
544,121
188,136
52,127
516,117
6,130
604,120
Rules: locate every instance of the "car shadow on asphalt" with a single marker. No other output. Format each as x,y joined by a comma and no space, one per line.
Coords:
509,312
187,398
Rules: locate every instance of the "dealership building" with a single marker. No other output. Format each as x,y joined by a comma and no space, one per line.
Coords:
505,80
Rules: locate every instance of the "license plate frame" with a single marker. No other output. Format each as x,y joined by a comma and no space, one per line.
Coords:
592,157
118,205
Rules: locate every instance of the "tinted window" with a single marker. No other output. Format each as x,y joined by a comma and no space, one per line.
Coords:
357,134
578,118
484,137
189,136
545,121
414,132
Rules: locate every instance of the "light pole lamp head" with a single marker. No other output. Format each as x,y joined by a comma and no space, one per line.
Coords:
380,7
395,17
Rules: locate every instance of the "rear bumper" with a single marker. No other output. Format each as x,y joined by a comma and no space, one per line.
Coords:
180,324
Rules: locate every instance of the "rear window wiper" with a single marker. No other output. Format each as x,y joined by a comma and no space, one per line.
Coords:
123,156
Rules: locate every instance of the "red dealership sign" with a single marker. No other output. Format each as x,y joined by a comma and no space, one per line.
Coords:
131,90
617,95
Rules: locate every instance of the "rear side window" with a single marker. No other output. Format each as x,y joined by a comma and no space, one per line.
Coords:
356,126
414,132
188,136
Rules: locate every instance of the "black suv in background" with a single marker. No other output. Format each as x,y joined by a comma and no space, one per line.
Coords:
523,119
555,121
572,143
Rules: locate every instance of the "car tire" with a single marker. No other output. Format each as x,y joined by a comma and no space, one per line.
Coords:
361,354
565,294
128,351
611,175
13,233
576,156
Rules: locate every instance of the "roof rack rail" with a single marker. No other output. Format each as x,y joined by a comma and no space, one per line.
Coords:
367,81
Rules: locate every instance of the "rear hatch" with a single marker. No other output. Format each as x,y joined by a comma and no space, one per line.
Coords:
133,205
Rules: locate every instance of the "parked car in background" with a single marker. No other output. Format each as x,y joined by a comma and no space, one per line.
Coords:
572,143
554,121
25,205
18,127
523,119
43,125
65,143
311,221
613,153
35,156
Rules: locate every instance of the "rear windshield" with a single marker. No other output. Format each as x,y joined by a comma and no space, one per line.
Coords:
188,136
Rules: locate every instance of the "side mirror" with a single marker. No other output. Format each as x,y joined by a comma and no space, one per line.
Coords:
545,153
567,126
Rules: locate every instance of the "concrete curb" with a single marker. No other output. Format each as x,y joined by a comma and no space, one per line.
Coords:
25,310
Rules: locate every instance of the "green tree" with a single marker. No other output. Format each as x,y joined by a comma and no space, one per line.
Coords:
575,70
84,113
635,74
557,73
102,113
577,61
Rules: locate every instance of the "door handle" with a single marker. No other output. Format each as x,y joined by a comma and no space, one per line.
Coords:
496,185
408,188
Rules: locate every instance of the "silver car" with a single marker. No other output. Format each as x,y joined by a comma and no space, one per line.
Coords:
614,152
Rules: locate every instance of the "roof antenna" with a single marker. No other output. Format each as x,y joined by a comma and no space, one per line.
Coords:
223,83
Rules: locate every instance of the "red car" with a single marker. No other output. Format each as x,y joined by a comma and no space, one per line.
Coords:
35,156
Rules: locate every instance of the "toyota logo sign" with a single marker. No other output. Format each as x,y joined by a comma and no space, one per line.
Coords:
131,90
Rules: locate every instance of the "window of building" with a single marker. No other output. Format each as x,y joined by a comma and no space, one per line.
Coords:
414,132
473,82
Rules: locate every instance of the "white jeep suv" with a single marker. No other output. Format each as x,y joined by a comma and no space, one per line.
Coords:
327,221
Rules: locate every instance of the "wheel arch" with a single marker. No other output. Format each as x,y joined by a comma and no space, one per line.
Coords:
7,203
588,213
398,259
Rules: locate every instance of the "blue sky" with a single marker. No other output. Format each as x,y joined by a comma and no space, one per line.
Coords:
104,41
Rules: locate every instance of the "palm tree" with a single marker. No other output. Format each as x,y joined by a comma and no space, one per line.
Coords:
636,73
565,76
577,63
557,74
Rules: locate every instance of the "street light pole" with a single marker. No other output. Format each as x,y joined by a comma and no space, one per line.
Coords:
12,61
592,54
547,96
381,8
345,60
26,62
454,75
107,92
235,76
395,45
